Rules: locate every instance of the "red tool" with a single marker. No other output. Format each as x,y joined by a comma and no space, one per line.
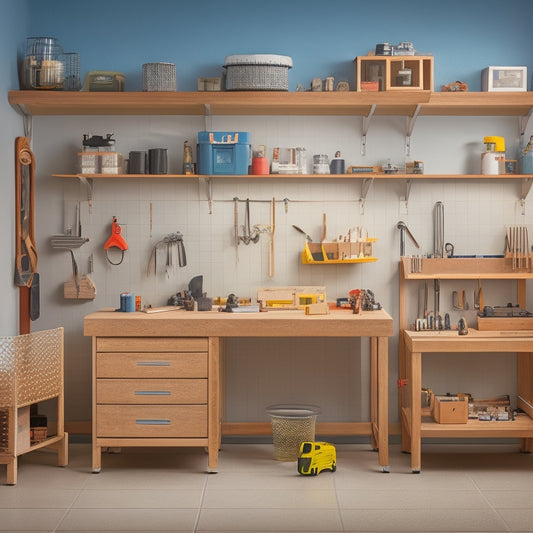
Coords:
115,241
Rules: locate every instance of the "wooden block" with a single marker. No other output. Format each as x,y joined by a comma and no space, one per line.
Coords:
317,309
450,410
86,289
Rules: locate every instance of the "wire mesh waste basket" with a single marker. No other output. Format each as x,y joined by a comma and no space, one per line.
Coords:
291,425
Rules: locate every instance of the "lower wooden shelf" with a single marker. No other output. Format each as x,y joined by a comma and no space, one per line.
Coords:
520,427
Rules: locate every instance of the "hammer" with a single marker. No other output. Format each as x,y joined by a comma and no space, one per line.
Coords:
402,226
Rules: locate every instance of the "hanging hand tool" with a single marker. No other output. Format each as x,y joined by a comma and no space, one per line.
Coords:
271,262
25,276
26,252
438,230
115,241
172,246
80,287
402,226
248,236
307,237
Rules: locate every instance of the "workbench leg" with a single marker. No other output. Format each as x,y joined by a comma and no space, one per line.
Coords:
11,474
406,438
213,404
374,422
526,445
97,459
414,364
383,401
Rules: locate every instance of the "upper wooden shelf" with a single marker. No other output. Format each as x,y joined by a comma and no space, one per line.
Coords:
409,103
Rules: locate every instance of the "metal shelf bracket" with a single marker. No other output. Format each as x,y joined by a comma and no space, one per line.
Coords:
410,127
524,120
365,186
88,182
405,200
366,124
208,181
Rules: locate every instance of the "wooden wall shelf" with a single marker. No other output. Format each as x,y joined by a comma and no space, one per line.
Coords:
300,176
421,103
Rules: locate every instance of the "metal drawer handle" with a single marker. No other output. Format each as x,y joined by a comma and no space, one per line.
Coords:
153,363
152,393
153,422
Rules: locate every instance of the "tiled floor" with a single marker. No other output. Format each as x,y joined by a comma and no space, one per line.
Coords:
461,488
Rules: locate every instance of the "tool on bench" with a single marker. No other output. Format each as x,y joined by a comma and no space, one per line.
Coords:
115,241
517,247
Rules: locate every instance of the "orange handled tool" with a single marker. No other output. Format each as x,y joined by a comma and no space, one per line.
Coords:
115,241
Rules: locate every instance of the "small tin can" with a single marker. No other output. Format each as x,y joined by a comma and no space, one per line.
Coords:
127,302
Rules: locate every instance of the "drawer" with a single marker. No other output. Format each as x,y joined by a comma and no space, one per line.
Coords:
151,365
151,344
151,391
151,421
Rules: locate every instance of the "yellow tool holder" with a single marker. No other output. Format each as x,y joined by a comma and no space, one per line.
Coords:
339,253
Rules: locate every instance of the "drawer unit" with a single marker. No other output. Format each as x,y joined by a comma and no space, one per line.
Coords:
151,421
151,365
151,391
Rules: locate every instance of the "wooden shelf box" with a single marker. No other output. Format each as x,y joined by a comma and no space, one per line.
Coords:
380,73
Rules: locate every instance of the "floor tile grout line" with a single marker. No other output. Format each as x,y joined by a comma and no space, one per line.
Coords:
67,511
334,483
484,497
201,504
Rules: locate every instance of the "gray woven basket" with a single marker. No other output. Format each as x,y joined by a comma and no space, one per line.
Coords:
159,77
257,72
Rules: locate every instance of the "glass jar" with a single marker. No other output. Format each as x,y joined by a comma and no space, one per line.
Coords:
43,66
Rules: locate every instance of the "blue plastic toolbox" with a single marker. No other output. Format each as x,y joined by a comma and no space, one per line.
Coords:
224,152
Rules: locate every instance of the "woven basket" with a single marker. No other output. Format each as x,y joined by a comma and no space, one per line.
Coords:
257,72
159,77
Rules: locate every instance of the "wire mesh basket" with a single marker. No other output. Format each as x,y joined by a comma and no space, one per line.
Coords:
257,72
291,425
159,77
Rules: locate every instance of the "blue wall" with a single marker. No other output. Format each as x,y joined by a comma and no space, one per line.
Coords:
323,38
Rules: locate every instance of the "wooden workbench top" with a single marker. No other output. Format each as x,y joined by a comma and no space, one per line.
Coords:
474,341
282,323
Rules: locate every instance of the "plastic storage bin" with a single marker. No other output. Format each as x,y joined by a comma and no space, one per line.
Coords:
223,152
291,425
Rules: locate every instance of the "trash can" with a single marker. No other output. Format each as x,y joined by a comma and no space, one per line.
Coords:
291,425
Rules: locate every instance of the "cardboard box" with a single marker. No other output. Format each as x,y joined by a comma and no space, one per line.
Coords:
450,410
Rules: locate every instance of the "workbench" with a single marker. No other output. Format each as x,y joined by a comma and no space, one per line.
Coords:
415,426
158,377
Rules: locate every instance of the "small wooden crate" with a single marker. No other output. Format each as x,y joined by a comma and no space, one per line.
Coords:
384,70
450,410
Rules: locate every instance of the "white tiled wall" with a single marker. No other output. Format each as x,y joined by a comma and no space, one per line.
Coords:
265,371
